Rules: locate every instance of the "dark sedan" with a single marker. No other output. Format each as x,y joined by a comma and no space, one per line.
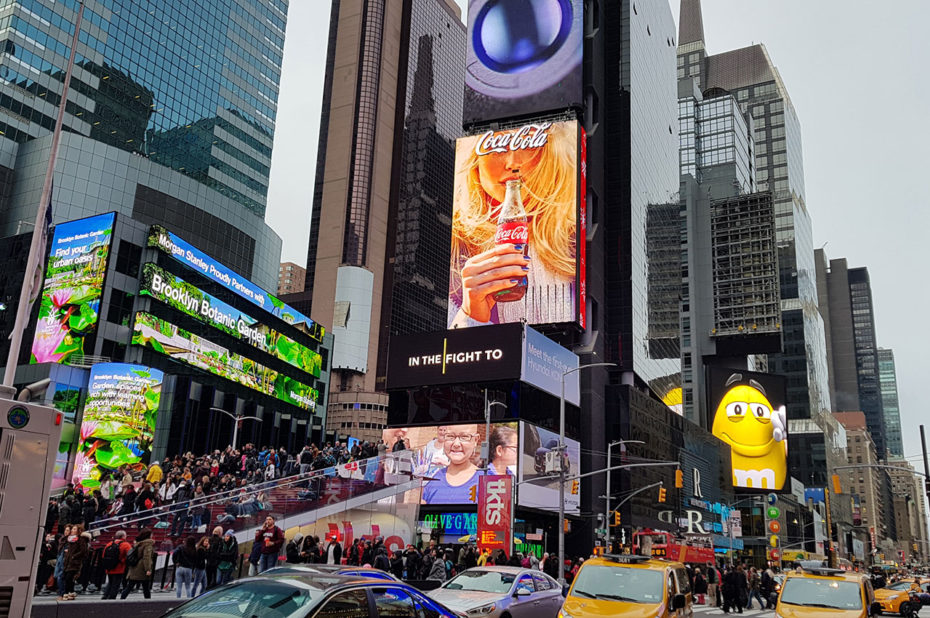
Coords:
307,595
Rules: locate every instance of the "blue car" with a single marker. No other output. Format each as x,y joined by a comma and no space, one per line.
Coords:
332,569
302,595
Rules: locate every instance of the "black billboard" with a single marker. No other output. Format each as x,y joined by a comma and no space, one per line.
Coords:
747,412
523,57
481,354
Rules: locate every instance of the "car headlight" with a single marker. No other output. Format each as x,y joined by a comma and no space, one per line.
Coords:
484,610
563,614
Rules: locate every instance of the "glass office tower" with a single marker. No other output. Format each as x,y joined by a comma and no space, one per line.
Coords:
888,381
192,86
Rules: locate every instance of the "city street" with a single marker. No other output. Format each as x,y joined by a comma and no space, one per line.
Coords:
716,611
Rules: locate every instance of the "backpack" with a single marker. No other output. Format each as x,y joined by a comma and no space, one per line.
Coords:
111,556
134,556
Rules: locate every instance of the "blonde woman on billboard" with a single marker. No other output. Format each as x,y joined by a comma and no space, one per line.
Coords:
481,268
452,484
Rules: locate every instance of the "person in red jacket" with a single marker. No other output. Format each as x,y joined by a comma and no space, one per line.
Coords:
116,573
271,539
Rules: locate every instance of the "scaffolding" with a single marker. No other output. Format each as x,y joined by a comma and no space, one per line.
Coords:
745,266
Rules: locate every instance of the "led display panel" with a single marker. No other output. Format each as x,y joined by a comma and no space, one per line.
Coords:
191,300
748,414
69,308
190,349
516,209
118,426
523,57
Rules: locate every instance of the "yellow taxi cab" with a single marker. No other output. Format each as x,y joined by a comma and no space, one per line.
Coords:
628,585
896,598
826,593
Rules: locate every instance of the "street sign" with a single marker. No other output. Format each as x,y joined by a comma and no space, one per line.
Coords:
600,531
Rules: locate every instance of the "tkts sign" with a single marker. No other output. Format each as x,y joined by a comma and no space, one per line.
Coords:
494,504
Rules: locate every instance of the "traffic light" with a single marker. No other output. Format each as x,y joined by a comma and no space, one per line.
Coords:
662,492
617,519
575,486
473,493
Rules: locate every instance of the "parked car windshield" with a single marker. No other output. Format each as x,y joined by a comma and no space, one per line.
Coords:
482,581
619,584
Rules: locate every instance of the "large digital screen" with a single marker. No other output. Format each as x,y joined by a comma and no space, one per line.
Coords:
191,300
456,356
450,455
515,214
185,347
522,57
118,426
70,305
748,414
539,489
194,258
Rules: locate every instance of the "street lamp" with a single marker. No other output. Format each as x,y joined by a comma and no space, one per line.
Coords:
487,428
607,492
237,418
562,466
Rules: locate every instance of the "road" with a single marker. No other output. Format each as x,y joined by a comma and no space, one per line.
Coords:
700,610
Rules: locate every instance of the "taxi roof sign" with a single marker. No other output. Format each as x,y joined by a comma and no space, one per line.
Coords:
627,558
825,571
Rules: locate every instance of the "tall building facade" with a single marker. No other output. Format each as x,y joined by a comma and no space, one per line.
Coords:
392,106
888,384
910,510
869,484
853,347
170,118
750,75
291,278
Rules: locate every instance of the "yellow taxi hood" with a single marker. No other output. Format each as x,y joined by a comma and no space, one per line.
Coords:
799,611
578,607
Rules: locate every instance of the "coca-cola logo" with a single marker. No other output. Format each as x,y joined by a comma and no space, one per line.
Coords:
526,137
514,233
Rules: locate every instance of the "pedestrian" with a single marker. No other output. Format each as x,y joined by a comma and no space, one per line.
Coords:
734,586
114,562
292,551
334,551
382,561
700,586
437,569
77,550
214,542
140,562
270,538
46,565
768,587
255,557
184,558
713,579
229,554
199,573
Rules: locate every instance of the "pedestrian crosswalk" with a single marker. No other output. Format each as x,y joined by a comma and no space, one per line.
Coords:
705,610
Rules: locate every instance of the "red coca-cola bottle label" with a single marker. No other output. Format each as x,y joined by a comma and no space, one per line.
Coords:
514,232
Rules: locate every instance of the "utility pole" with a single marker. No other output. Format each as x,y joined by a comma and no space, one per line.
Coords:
831,550
923,448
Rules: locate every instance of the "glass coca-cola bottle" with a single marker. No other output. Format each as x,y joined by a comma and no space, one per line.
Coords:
512,229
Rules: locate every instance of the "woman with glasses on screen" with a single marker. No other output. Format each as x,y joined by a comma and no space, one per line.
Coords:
503,448
452,484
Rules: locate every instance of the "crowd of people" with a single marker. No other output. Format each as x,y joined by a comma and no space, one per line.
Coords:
735,587
185,494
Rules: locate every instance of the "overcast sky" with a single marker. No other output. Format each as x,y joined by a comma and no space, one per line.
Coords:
856,75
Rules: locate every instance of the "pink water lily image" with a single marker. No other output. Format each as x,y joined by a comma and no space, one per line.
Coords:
61,297
49,335
88,428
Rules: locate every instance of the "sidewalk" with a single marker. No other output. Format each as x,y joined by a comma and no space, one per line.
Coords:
93,606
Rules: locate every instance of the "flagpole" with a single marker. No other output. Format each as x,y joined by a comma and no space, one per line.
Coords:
39,230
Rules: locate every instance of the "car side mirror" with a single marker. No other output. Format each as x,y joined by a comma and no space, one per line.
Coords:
875,609
522,592
679,601
565,588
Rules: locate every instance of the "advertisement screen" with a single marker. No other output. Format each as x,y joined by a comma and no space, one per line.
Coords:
451,456
543,493
191,300
545,364
456,356
515,213
748,413
194,258
119,420
523,57
70,305
190,349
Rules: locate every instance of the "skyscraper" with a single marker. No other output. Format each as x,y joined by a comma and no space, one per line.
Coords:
192,90
853,349
392,106
888,383
750,75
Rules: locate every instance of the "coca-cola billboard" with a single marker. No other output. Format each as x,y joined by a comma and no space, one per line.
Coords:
518,206
523,57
